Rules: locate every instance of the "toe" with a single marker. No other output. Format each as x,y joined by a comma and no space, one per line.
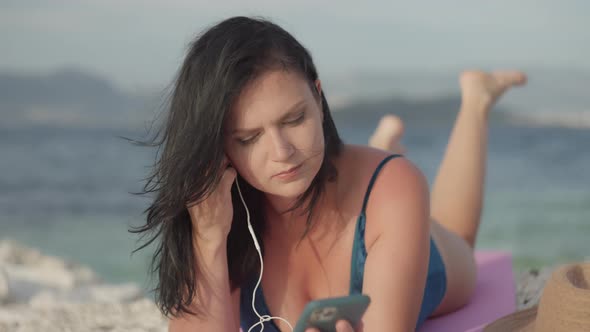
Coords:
511,77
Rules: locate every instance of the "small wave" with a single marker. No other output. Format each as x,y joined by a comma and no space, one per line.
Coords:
567,119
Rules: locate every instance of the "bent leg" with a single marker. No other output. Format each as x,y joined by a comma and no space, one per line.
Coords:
388,134
457,193
460,269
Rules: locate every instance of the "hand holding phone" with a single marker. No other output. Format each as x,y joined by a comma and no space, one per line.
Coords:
323,314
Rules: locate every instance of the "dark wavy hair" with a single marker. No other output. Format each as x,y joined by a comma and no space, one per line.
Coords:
188,165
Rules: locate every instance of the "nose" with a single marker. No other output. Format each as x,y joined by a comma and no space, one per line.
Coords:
282,149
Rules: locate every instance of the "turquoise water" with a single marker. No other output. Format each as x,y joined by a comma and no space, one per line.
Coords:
67,193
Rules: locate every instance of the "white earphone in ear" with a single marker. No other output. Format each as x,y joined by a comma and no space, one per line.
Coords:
263,318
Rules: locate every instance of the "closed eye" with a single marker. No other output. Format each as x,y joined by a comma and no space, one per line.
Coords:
296,121
253,138
249,140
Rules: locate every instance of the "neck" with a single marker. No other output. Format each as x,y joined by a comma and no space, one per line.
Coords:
294,222
277,206
326,211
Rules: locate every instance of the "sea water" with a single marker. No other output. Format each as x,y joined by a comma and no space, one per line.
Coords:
67,192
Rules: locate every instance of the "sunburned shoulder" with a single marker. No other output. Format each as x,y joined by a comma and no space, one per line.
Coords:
399,188
363,161
397,178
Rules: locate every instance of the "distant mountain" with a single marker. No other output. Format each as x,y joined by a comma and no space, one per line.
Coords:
548,89
423,112
66,98
552,96
75,98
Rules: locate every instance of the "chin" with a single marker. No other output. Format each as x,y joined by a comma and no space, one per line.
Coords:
291,190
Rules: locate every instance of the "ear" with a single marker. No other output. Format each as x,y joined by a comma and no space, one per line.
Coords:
318,86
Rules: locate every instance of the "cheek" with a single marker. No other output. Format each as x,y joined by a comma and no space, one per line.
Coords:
247,162
235,157
311,137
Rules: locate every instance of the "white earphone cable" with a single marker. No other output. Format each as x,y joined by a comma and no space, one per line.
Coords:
263,318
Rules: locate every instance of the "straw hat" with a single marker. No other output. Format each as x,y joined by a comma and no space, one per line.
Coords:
564,305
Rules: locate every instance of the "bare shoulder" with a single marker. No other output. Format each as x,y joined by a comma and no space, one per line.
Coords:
399,190
355,167
360,162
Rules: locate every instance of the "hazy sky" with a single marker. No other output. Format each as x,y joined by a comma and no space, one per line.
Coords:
140,43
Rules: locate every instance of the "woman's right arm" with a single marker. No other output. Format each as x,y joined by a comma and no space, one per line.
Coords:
221,307
212,219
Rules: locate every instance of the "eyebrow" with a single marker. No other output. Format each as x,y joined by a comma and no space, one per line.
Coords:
291,110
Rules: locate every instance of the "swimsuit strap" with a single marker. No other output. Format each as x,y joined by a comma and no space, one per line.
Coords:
374,177
359,251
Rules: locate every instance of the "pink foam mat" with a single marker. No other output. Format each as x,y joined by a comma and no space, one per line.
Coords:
494,297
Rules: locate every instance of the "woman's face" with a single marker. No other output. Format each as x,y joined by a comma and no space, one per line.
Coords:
275,126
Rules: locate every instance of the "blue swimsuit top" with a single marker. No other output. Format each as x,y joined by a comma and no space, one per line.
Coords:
433,292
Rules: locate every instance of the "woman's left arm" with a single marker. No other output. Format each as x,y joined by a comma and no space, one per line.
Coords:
398,213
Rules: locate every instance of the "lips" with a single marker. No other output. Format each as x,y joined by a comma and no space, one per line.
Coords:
287,171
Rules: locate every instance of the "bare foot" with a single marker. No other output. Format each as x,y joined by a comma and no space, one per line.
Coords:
484,89
388,134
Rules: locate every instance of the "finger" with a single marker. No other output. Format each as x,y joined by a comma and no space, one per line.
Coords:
312,329
360,327
343,326
229,175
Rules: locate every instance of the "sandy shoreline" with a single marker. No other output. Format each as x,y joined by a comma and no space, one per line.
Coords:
45,293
